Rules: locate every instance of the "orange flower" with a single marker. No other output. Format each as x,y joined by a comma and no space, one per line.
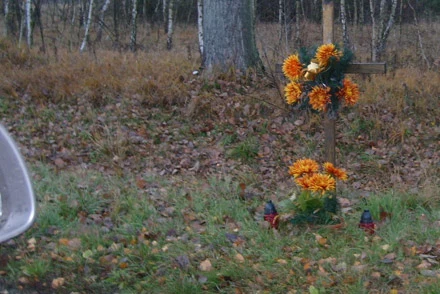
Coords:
292,67
319,97
350,92
303,166
304,182
334,171
325,52
321,183
292,92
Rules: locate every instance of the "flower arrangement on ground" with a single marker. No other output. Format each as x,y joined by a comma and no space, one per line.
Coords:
318,81
316,202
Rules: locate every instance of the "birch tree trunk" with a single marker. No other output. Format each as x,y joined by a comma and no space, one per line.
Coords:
101,19
86,31
381,30
6,15
164,15
133,26
170,25
200,26
28,23
373,32
345,36
229,35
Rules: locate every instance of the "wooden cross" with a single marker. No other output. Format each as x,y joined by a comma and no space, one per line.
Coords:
367,68
358,68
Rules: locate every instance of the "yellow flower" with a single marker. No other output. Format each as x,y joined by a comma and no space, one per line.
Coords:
325,52
303,166
292,92
292,67
334,171
320,97
350,92
321,183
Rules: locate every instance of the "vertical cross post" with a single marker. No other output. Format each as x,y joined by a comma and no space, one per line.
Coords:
330,123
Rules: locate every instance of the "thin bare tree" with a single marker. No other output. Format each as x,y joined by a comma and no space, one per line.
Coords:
87,28
101,20
28,23
382,28
419,36
343,16
170,25
6,17
200,25
133,35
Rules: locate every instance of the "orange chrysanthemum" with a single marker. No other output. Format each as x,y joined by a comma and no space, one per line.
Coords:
320,97
334,171
304,182
292,67
303,166
321,183
292,92
349,92
325,52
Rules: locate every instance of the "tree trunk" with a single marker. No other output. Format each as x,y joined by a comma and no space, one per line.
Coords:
133,27
28,23
200,26
170,25
86,32
345,36
229,28
297,24
419,36
6,15
381,30
373,32
37,20
101,20
116,23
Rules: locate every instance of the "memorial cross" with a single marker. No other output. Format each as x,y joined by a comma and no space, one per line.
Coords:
364,68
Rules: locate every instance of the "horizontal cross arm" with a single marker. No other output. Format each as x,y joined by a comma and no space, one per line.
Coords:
367,68
352,68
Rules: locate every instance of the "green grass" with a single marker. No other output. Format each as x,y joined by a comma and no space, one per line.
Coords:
159,236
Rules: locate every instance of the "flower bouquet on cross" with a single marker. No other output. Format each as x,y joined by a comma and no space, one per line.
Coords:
316,203
317,79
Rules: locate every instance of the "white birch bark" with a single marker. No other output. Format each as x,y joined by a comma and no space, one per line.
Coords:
28,23
170,25
381,30
101,19
86,32
133,26
345,36
373,32
6,15
200,25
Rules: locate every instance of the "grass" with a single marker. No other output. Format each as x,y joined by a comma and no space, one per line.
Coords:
93,231
123,212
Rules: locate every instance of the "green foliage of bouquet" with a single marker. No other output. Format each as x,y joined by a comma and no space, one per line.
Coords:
316,202
321,84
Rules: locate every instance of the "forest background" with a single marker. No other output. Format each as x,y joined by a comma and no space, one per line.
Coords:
151,176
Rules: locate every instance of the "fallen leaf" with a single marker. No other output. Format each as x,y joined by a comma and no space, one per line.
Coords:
58,282
320,240
205,266
239,258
